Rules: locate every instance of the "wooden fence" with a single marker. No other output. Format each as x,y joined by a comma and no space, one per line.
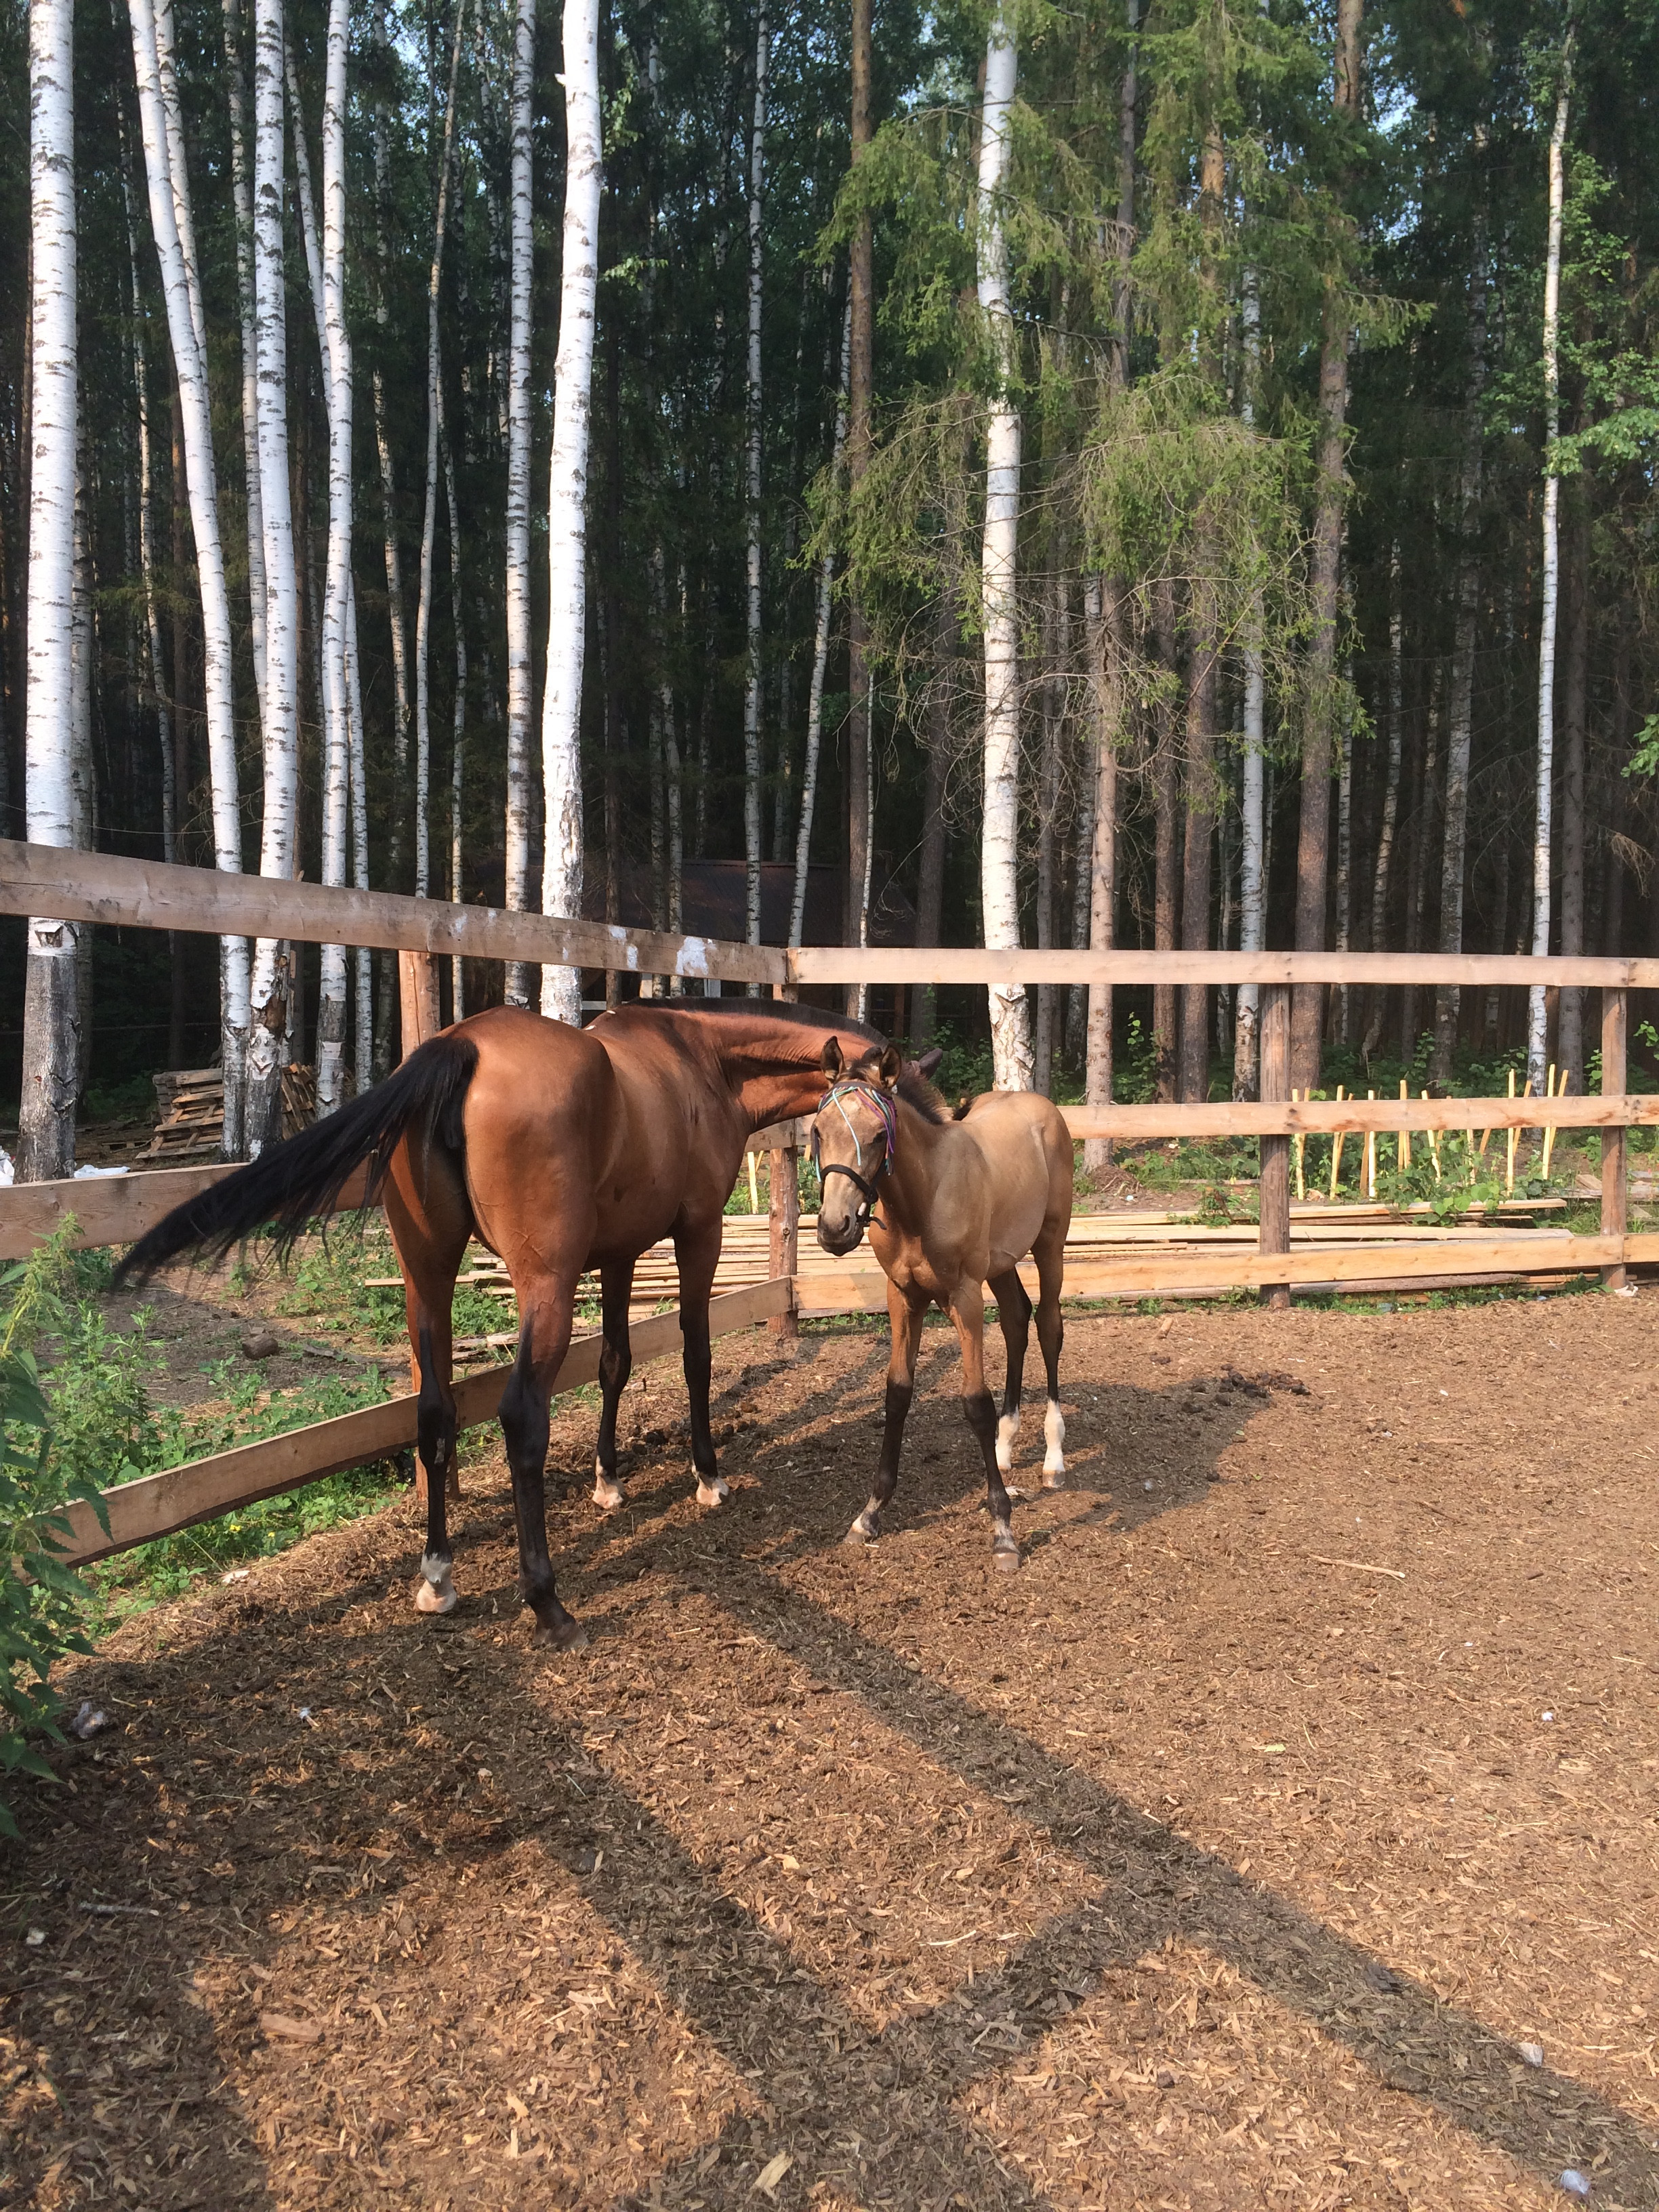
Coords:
106,889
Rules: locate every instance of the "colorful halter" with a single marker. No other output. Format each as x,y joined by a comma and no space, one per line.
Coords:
871,1094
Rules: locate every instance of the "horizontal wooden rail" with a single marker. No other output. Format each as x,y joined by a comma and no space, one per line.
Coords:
158,1504
111,888
110,1209
107,887
1326,1116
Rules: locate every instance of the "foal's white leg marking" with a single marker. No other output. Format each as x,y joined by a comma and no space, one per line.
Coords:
1004,1551
607,1494
1007,1430
868,1528
713,1493
436,1592
1053,1434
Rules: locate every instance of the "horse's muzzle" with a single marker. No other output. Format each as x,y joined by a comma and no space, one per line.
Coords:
843,1240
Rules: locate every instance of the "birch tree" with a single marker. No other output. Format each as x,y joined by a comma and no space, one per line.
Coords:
267,1053
1105,714
429,513
46,1128
751,690
1537,1009
567,501
821,618
160,124
1252,900
1011,1036
339,602
519,699
242,200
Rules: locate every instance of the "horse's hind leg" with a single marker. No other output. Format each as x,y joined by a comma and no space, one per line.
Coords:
904,1322
615,1365
1050,1253
1014,1314
546,1304
430,1221
968,1312
696,1253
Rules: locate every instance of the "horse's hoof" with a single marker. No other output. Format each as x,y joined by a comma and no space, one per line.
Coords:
566,1635
436,1594
863,1532
1053,1478
1008,1562
713,1493
607,1496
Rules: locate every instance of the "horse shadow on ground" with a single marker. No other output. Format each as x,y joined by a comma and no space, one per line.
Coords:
856,2108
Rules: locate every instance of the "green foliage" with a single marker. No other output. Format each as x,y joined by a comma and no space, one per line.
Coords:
40,1601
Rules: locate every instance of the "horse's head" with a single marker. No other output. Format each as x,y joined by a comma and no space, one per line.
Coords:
853,1132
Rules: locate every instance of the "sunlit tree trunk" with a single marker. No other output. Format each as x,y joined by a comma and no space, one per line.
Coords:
429,513
155,655
45,1133
567,503
752,689
458,727
1252,888
339,643
861,389
1325,578
930,875
1385,838
268,1033
1537,1015
823,616
1101,629
1569,1018
169,184
397,841
1010,1035
242,198
518,696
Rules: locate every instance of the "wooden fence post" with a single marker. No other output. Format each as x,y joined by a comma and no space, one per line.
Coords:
1615,1142
1275,1152
417,991
783,1212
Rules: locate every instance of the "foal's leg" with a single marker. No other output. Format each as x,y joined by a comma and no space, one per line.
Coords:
904,1320
615,1365
430,1222
968,1312
1014,1314
697,1251
1050,1253
546,1303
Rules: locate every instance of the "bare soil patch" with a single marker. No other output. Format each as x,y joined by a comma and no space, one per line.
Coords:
1201,1864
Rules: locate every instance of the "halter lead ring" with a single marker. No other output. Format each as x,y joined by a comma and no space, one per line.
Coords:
871,1095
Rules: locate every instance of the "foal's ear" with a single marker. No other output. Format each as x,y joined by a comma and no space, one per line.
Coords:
891,1061
831,1062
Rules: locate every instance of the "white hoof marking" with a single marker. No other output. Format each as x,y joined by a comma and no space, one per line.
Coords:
607,1495
1007,1430
1053,1433
713,1493
436,1592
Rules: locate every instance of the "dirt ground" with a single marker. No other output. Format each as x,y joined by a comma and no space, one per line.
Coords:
1227,1856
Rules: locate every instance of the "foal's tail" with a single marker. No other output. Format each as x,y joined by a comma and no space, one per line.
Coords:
291,1183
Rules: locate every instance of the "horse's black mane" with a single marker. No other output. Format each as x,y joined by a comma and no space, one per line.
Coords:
918,1092
777,1009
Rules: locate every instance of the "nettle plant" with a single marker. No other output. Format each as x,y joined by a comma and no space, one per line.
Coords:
40,1600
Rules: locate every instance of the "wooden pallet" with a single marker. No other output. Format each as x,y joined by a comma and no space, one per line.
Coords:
189,1105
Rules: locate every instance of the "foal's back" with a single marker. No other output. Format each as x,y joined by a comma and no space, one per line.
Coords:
1026,1150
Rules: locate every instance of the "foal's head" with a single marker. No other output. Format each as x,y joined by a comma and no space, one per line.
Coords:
853,1133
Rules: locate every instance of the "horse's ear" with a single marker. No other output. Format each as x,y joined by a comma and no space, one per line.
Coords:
831,1062
929,1061
888,1067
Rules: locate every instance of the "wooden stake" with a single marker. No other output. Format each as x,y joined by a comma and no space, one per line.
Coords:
1434,1148
1371,1157
1615,1188
1403,1155
1336,1152
1511,1139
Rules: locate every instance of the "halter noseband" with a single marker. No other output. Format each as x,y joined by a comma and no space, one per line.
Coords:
871,1094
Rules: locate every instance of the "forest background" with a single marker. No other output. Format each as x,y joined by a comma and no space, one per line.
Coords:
1175,476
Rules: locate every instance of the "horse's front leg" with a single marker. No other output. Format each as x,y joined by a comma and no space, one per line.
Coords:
615,1365
697,1252
904,1319
546,1304
968,1312
1014,1318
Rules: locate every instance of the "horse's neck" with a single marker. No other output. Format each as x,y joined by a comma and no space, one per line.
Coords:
773,1079
907,1190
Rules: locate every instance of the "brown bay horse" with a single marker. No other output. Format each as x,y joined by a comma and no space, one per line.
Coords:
961,1202
560,1150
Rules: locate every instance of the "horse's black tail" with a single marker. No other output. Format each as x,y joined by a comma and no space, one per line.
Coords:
293,1182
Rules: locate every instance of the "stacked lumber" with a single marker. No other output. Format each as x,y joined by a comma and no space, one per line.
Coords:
190,1113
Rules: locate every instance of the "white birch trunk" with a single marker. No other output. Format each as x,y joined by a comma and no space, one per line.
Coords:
1010,1035
1386,834
458,728
168,186
1537,1014
154,654
242,198
339,602
567,498
518,692
363,958
809,776
1105,711
752,689
1344,869
51,1022
394,573
267,1034
430,516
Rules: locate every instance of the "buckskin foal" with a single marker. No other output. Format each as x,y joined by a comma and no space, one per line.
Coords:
561,1149
961,1203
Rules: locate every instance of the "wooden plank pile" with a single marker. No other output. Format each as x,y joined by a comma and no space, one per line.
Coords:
190,1113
